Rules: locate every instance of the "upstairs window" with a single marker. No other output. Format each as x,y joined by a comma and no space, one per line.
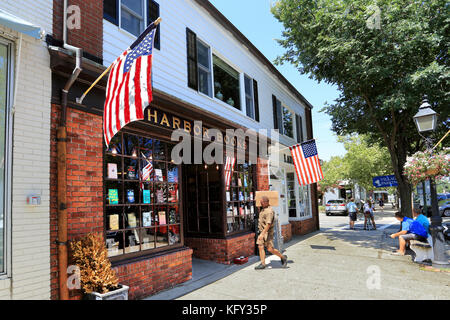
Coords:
288,123
226,83
132,15
204,68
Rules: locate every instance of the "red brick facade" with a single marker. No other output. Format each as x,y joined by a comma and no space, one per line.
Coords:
85,208
286,232
222,250
84,180
89,36
152,275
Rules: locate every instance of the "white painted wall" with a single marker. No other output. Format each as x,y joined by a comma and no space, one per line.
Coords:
29,275
170,63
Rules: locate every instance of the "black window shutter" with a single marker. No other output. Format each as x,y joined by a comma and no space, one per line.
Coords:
275,113
152,15
280,117
255,98
191,40
111,11
298,121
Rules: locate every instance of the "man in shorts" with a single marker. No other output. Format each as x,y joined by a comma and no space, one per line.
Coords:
352,209
265,238
411,230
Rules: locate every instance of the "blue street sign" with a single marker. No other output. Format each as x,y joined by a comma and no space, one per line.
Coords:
385,181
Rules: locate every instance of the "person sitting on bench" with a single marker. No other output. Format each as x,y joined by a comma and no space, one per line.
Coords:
411,230
418,216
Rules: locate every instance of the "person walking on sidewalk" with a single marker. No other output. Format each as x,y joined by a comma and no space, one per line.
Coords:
265,238
352,211
368,214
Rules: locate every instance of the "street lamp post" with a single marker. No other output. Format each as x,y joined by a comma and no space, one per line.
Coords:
426,120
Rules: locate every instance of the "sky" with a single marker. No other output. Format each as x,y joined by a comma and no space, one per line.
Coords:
254,19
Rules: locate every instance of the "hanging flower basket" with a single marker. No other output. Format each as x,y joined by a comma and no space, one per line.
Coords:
422,166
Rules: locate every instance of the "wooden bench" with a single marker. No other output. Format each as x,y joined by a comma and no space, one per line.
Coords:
423,250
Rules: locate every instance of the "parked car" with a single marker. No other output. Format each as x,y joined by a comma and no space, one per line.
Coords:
336,207
446,230
444,209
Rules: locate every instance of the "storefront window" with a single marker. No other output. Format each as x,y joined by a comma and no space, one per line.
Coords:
299,203
240,203
291,195
142,209
4,90
226,83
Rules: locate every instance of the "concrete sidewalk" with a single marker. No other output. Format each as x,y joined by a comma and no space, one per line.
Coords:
333,264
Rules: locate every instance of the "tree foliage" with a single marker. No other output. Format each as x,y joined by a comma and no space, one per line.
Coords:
383,56
362,162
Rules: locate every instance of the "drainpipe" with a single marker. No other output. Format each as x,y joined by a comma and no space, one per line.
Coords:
61,139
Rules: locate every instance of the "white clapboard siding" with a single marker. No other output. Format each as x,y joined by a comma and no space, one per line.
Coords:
170,63
38,12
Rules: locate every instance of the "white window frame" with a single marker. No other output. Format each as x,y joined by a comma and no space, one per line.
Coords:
251,96
308,210
238,70
7,226
210,71
128,10
283,106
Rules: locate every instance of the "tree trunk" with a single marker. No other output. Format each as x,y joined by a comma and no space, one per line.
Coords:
398,159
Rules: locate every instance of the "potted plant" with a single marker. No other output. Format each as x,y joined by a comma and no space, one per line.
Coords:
98,280
424,165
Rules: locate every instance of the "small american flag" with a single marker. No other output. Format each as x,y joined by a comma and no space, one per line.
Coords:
146,171
129,88
229,166
306,162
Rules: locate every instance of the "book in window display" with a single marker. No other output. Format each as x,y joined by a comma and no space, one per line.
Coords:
113,196
159,175
241,196
160,196
162,217
228,196
172,193
131,220
131,172
112,170
147,219
114,222
172,176
130,196
146,196
172,216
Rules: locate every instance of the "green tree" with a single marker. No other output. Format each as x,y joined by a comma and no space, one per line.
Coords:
383,56
364,160
334,171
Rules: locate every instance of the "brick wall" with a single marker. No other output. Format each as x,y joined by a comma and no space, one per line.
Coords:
262,169
286,232
90,35
303,227
222,250
84,180
152,275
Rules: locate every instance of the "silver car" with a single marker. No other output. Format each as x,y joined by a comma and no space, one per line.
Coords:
336,207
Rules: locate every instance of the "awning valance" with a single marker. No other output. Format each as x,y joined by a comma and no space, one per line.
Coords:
20,25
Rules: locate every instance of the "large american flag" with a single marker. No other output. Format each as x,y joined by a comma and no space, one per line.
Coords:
306,162
129,88
229,166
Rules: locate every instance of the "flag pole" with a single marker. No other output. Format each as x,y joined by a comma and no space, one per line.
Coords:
80,99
